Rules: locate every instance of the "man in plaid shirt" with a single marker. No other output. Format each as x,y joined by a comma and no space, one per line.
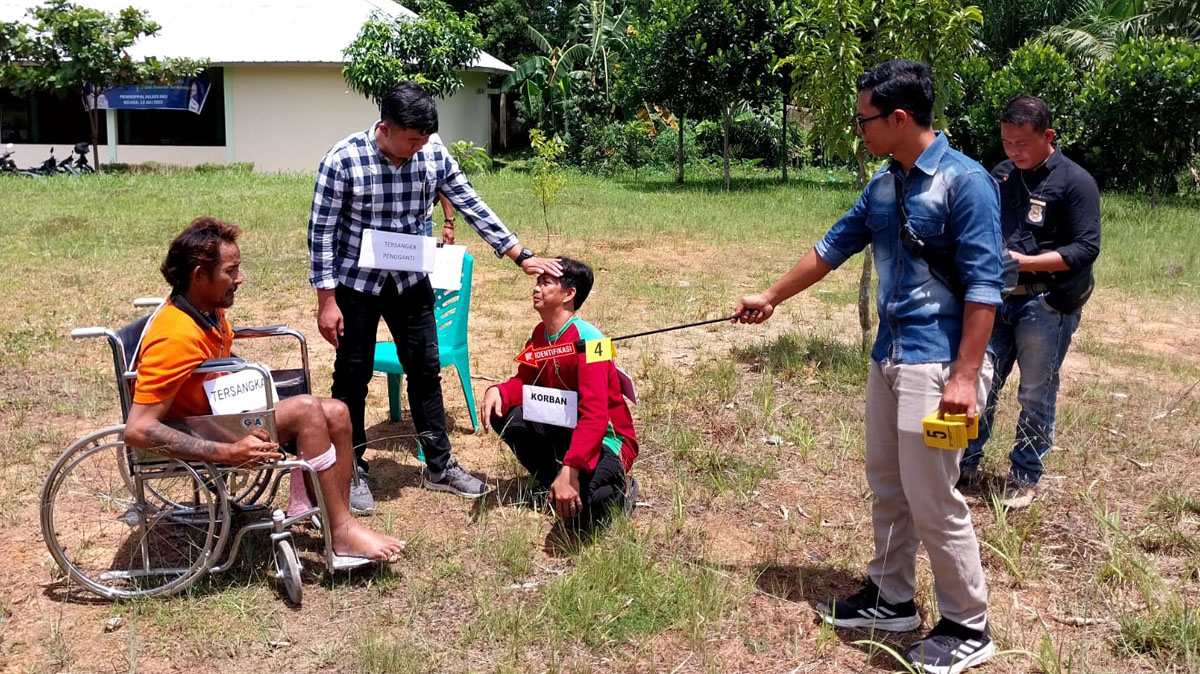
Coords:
387,179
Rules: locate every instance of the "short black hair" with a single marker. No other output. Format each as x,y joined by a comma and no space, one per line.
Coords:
1029,110
577,275
408,106
900,84
197,246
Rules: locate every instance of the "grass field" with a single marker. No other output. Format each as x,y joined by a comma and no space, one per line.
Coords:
754,503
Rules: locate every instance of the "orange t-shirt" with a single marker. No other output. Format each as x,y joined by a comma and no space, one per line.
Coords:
174,346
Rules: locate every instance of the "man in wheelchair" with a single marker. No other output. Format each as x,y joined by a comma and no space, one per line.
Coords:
203,269
566,420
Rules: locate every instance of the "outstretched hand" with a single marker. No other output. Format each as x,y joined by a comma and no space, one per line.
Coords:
753,309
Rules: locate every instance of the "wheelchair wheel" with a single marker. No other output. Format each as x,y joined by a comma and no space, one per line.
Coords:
287,569
105,533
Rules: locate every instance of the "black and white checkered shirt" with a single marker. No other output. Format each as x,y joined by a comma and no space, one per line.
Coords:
359,188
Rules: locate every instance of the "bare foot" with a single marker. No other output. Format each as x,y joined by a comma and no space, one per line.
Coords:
354,540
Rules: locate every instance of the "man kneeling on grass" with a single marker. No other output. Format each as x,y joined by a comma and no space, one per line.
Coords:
203,267
566,419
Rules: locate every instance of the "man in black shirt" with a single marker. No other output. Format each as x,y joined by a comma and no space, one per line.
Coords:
1050,216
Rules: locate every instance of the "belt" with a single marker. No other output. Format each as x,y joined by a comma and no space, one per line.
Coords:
1030,289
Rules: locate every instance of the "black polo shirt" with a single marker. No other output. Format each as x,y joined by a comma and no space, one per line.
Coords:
1054,207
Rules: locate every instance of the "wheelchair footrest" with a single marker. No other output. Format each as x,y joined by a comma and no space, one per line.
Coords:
341,563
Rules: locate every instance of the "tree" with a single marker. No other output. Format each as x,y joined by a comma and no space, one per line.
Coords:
430,50
665,73
547,176
69,50
553,82
1008,24
741,52
505,24
705,58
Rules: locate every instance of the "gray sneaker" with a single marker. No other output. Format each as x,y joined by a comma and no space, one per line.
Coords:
1018,496
454,480
362,502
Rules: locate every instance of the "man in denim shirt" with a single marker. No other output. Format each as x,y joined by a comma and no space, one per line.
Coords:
930,355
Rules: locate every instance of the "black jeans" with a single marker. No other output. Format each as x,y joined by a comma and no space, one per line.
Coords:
410,319
541,448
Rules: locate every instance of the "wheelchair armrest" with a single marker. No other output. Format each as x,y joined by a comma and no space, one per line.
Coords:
221,365
260,331
235,364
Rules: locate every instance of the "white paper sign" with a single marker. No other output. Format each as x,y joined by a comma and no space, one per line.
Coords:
391,250
550,406
238,392
447,268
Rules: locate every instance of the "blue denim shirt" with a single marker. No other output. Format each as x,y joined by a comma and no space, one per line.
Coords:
953,205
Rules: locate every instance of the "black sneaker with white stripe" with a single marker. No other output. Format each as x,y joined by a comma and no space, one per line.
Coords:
950,648
865,609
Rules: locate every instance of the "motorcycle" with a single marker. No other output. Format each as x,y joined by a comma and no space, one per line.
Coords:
51,166
47,168
81,164
7,165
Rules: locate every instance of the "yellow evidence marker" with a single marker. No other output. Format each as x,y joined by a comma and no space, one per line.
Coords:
949,431
598,350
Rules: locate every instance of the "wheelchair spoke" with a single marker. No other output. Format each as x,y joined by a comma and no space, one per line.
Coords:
149,532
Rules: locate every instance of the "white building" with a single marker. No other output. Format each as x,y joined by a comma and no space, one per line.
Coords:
278,98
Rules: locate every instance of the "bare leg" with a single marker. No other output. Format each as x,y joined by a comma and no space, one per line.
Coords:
315,424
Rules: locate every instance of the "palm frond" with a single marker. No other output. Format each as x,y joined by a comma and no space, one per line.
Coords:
525,70
1079,45
538,39
566,61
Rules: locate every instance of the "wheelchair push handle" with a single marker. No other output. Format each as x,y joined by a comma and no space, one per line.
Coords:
85,333
144,302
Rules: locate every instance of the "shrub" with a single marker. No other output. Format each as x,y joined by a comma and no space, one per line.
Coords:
1035,70
1142,115
753,137
471,157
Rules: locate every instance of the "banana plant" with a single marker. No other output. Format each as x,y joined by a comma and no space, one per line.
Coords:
589,57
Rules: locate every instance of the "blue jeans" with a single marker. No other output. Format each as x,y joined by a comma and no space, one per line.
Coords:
1031,334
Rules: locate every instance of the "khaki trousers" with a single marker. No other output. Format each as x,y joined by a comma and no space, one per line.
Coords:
915,498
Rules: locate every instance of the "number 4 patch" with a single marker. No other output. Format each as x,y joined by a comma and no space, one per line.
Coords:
598,350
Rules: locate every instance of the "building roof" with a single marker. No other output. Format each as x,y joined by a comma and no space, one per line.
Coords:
228,32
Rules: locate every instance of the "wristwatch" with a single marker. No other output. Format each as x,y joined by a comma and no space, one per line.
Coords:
525,255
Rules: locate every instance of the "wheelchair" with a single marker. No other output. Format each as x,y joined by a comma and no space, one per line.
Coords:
124,522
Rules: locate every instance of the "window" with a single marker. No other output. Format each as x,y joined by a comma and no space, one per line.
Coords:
44,118
178,127
47,119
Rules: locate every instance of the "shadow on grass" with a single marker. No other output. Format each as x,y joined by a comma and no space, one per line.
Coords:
815,584
515,492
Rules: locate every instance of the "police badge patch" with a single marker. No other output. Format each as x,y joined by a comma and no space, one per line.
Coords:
1036,210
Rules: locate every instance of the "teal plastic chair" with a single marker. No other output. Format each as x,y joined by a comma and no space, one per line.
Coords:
450,309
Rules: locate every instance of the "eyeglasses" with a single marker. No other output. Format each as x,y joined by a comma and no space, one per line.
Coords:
861,122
